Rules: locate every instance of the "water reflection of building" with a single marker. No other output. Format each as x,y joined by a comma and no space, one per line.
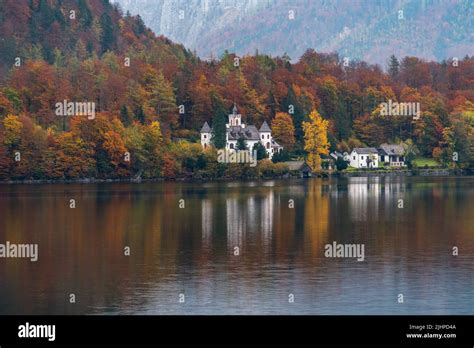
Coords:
206,221
363,195
393,190
252,217
251,213
266,217
235,223
373,198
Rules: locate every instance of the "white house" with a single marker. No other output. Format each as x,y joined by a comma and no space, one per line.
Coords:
364,157
236,129
392,154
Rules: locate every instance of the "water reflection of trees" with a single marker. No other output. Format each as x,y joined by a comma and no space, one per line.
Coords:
81,249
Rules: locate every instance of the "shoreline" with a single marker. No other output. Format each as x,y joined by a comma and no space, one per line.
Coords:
324,174
407,172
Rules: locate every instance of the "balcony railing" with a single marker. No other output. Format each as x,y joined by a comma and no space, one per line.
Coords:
397,164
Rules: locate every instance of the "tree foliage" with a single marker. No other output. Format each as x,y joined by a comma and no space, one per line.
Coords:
316,140
218,123
241,144
140,82
283,130
260,150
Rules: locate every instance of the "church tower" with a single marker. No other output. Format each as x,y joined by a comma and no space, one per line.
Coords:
235,119
206,134
266,139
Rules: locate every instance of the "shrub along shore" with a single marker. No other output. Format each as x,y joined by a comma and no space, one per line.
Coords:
282,172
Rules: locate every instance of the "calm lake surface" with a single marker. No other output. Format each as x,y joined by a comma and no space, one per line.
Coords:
190,251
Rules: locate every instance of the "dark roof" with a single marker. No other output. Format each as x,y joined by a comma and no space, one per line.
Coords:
248,133
366,150
265,127
206,128
298,165
381,152
275,144
294,165
393,149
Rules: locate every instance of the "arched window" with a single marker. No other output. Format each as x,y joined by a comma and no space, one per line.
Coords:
268,145
231,146
205,145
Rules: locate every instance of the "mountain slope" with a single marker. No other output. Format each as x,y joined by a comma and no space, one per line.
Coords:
52,30
358,29
146,106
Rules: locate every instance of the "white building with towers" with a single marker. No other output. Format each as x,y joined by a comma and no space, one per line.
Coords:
236,129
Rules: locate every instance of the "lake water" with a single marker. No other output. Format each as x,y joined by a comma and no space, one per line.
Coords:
190,253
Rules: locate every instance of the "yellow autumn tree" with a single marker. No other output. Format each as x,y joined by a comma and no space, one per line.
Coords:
154,132
284,130
12,130
316,139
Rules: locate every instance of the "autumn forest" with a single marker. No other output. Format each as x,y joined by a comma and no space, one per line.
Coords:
152,97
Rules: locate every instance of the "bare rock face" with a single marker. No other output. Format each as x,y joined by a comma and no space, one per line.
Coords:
190,22
356,29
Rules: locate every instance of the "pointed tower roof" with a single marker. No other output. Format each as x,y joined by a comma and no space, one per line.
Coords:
265,127
206,128
234,109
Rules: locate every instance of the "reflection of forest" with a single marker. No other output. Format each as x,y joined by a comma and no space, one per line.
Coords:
316,218
81,249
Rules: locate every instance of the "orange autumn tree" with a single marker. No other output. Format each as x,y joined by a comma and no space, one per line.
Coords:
316,139
73,157
284,130
201,100
114,146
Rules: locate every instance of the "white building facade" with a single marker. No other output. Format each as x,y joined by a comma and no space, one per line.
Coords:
364,157
235,129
